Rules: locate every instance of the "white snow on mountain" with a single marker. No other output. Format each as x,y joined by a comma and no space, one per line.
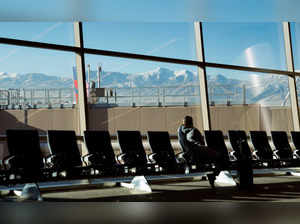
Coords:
4,75
265,89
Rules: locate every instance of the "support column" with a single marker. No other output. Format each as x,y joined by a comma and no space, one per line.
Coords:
292,79
81,79
202,77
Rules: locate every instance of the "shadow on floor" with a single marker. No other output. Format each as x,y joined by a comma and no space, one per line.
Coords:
188,193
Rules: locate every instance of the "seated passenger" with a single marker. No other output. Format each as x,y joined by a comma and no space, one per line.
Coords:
195,151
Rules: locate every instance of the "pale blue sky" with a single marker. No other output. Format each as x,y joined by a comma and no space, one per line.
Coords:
151,11
249,44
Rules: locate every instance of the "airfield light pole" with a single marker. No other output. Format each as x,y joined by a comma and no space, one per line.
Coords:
89,74
98,75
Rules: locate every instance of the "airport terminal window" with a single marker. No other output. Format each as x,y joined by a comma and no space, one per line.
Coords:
174,40
132,86
47,32
295,35
37,89
134,90
248,100
245,44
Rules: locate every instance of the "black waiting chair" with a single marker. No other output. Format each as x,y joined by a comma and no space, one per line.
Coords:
282,145
239,143
215,141
65,155
262,148
162,151
296,141
132,152
100,152
25,159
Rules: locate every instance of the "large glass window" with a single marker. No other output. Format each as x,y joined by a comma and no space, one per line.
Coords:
295,35
245,44
175,40
32,80
249,101
141,95
124,93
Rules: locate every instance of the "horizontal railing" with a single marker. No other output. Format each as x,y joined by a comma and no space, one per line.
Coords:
182,95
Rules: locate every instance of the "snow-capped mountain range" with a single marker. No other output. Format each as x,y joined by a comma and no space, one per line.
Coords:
267,90
33,80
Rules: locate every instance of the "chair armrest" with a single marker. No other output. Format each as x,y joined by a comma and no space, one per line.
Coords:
255,156
151,157
49,160
85,159
7,161
120,158
47,157
233,156
3,161
87,155
276,154
296,154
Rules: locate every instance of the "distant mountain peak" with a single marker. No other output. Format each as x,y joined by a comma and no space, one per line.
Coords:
4,75
156,70
220,77
181,72
158,73
160,69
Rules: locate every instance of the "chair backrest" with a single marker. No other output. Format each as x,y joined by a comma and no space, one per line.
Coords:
260,142
215,140
25,144
296,139
160,141
99,142
131,142
64,143
281,143
238,138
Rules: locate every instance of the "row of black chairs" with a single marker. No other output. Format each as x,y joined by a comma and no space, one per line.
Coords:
25,162
262,155
262,148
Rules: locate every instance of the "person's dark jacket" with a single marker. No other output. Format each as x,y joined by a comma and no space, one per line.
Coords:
189,139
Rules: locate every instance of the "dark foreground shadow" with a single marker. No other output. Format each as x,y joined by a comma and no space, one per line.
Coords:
289,191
